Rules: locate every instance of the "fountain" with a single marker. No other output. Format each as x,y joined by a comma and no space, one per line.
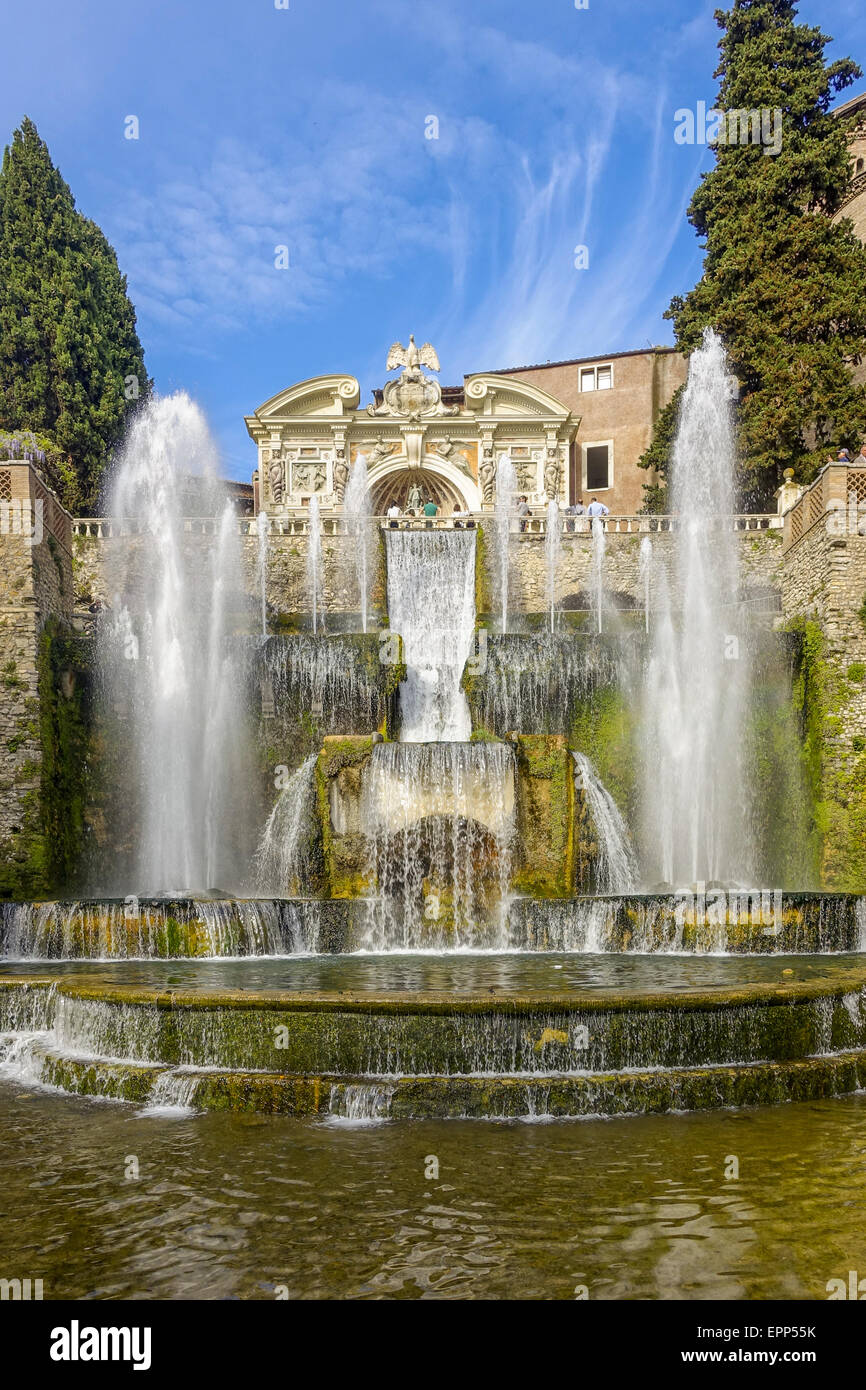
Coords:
446,914
697,675
281,860
616,868
357,507
598,548
646,565
552,558
314,561
431,602
506,491
165,654
262,529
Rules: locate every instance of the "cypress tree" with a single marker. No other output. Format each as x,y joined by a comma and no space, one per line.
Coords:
71,364
783,284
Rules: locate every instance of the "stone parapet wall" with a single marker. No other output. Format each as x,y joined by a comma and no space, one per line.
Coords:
35,590
288,588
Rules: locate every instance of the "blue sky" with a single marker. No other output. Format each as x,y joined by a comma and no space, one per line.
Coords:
261,127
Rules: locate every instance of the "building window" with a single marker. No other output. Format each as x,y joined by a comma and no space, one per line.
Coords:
596,378
597,467
858,168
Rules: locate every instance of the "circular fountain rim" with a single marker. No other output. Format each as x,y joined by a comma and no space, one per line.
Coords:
528,1001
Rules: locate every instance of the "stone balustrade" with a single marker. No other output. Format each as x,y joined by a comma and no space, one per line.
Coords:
298,524
839,491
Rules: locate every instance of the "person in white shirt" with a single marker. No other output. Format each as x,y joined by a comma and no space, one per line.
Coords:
393,511
597,508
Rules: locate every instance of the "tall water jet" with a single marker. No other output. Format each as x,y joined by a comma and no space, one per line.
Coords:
697,677
506,489
552,557
358,514
314,560
645,565
262,528
598,548
616,867
431,604
165,657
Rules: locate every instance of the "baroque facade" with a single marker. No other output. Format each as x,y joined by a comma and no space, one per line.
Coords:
445,443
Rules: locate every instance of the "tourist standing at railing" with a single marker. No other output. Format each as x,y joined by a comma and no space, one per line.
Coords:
524,512
393,515
597,508
576,509
860,460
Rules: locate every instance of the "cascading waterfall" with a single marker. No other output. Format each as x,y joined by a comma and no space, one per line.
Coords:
506,489
440,822
616,867
323,677
314,561
262,527
552,557
358,514
598,548
645,561
697,676
282,858
431,604
531,682
165,656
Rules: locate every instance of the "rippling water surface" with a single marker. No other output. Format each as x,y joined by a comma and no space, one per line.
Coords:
232,1206
455,972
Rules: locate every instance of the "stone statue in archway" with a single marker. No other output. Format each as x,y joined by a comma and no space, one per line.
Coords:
415,500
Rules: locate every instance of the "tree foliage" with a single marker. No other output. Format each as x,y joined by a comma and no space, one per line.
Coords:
71,364
783,284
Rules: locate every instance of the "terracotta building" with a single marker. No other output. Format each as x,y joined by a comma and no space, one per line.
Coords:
616,400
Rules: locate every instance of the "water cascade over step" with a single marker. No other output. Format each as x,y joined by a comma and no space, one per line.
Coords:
440,822
616,867
282,859
431,604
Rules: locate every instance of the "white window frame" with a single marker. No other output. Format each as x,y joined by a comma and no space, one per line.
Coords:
594,368
595,444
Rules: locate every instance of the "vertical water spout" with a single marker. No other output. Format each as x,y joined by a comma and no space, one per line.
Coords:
357,509
598,547
696,685
646,564
262,527
506,488
314,560
166,659
553,556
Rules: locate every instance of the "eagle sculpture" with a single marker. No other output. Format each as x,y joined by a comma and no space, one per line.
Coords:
412,357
